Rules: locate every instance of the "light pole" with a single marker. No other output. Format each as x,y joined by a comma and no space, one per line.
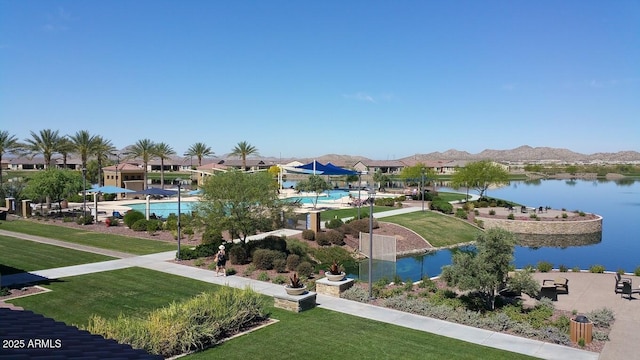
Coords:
179,235
372,193
422,190
84,194
359,188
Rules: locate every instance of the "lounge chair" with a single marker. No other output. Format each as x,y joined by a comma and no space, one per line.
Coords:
117,215
620,281
561,284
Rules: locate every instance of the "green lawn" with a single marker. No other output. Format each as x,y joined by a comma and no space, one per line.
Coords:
104,241
23,255
313,334
351,212
438,229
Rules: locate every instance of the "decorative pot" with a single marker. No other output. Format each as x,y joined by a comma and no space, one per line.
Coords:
295,291
334,277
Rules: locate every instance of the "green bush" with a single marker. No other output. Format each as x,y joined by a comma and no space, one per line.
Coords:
461,214
263,258
384,202
636,272
362,225
237,254
334,223
211,234
293,260
563,268
200,321
442,206
597,269
511,217
270,242
84,219
280,265
335,237
280,279
323,239
544,266
308,235
131,217
140,225
492,212
263,276
305,269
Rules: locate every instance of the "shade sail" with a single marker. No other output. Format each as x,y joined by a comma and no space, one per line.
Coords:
109,190
157,192
318,168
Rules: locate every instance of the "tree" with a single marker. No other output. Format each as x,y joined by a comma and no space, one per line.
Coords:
144,150
55,184
484,270
417,174
164,152
65,147
46,143
244,149
381,178
8,144
238,201
479,176
102,149
84,145
199,150
314,183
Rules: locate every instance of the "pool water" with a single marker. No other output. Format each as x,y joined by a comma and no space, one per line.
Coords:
163,209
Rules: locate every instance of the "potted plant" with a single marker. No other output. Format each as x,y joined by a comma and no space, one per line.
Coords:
295,286
335,273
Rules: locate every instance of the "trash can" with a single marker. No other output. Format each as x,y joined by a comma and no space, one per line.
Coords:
581,327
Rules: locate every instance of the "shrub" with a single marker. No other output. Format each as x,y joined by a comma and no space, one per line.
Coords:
596,269
563,268
620,272
576,269
330,254
279,279
293,260
211,235
636,272
322,238
442,206
308,235
564,215
264,258
199,262
356,293
140,225
131,217
84,219
237,254
511,217
263,276
362,225
280,265
479,223
544,266
295,246
384,202
334,223
270,242
460,213
305,269
335,237
231,271
153,225
249,270
601,317
492,212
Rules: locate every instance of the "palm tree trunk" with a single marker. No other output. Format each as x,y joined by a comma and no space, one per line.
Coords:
162,173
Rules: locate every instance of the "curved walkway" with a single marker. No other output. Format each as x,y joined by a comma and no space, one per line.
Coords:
161,262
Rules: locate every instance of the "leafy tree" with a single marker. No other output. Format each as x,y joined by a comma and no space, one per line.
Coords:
55,184
145,150
314,183
199,150
414,175
65,147
8,144
244,149
381,178
163,151
238,201
45,143
484,270
479,176
352,178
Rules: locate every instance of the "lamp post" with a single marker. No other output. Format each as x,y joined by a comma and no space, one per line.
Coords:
372,193
84,194
422,190
179,235
359,188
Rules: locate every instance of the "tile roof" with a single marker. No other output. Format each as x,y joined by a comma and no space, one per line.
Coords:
44,338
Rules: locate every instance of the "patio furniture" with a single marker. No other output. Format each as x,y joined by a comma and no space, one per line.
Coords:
549,291
620,281
627,290
561,284
117,215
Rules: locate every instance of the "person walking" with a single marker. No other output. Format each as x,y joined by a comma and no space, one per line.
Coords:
221,261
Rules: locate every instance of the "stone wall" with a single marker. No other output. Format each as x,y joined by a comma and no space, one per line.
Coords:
542,227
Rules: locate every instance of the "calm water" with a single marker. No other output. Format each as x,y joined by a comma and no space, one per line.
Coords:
619,247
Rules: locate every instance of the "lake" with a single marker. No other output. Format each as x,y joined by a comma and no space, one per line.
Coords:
618,202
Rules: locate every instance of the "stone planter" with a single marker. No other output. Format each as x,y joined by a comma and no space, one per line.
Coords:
295,291
333,277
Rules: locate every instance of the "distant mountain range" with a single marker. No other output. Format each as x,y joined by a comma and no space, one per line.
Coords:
522,153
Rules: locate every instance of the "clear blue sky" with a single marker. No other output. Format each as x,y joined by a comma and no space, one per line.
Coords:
381,79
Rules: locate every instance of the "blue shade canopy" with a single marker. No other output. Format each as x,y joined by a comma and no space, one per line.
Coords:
109,190
318,168
157,192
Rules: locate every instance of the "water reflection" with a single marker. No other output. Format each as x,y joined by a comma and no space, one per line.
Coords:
558,240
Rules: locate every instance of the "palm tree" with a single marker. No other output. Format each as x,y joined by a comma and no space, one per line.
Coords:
142,149
199,150
45,143
84,145
65,147
101,149
244,149
163,151
9,144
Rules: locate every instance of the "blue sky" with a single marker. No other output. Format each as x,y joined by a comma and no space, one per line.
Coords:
381,79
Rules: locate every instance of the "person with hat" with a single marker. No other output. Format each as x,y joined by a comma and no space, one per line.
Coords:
221,261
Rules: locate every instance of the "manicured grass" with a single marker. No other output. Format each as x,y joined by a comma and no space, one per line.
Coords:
24,255
131,291
450,196
313,334
439,230
351,212
324,334
104,241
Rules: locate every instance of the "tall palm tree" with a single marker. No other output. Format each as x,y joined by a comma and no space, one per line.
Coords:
65,147
8,144
83,145
144,150
244,149
163,151
45,143
199,150
101,149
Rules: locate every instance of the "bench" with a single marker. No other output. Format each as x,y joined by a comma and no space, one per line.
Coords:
561,284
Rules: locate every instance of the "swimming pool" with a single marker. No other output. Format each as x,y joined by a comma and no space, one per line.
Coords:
164,208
